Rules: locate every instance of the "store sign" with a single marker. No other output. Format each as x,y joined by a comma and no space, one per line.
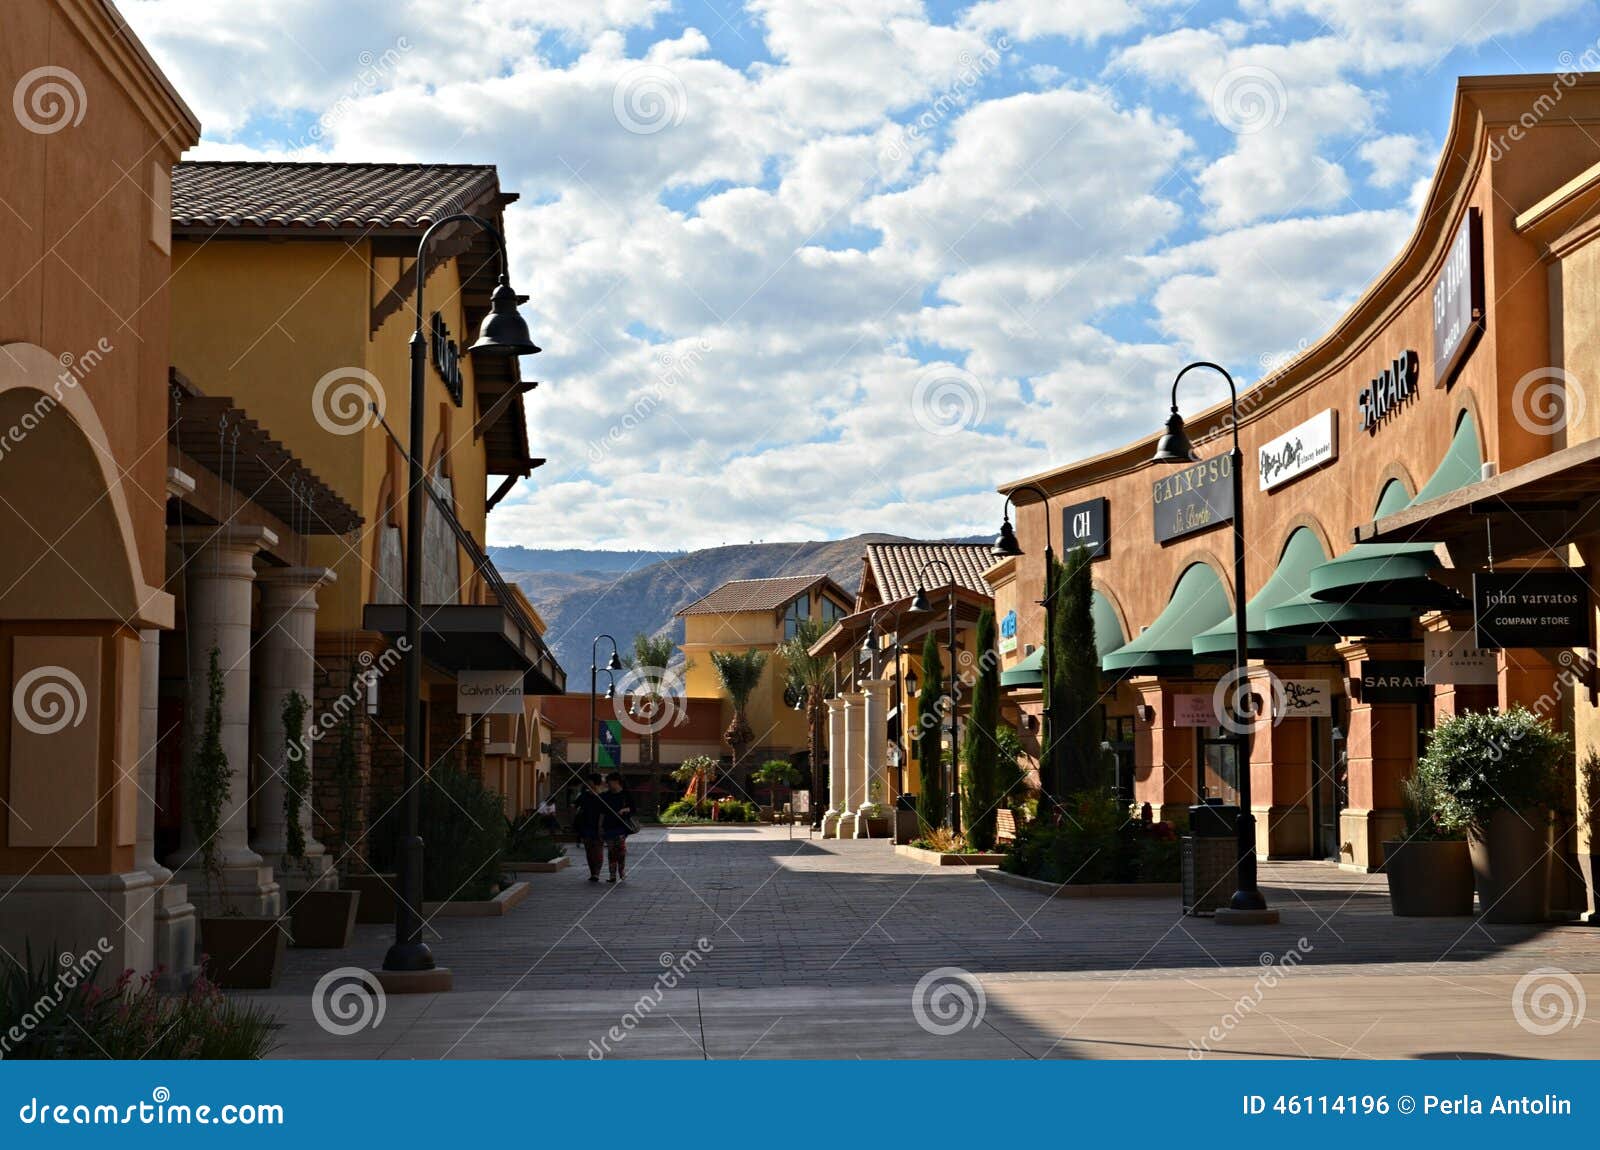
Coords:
1193,711
1195,498
1084,525
1548,608
489,693
1295,452
1455,657
1008,633
1458,311
608,740
446,357
1306,699
1392,681
1383,396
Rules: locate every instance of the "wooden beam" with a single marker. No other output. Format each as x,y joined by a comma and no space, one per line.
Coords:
487,419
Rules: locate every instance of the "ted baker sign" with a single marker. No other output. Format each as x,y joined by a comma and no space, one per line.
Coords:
1297,451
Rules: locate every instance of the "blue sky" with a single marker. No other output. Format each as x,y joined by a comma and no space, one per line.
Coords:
806,269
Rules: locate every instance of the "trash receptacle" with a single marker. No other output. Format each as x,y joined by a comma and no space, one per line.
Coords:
1210,858
906,826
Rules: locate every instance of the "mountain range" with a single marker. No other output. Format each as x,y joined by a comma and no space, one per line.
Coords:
582,594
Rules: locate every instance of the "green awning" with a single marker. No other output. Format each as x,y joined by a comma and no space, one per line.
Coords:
1302,553
1107,638
1397,574
1026,673
1197,604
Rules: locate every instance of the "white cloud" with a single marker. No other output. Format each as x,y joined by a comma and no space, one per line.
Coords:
1396,160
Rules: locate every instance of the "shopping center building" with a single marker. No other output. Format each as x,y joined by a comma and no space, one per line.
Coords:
1441,441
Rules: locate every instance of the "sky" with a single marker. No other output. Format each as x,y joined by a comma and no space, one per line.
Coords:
803,269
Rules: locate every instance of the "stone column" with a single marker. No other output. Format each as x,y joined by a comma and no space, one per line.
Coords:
855,773
285,664
874,749
1281,779
1166,774
220,572
836,795
1381,752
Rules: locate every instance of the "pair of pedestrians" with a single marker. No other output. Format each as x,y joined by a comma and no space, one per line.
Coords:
604,822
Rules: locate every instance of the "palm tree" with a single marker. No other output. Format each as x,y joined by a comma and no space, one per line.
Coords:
651,654
810,677
739,674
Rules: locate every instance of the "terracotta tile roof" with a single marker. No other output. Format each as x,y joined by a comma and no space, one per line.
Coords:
208,195
754,595
894,566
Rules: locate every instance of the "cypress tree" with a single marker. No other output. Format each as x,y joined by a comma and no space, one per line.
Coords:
932,802
1075,688
981,790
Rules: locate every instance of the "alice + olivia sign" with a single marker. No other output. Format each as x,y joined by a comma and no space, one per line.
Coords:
1193,498
1295,452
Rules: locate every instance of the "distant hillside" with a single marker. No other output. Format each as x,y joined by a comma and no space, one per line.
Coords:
585,593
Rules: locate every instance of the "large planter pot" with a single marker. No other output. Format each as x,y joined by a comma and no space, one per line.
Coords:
878,827
1428,879
1512,864
324,918
243,953
377,903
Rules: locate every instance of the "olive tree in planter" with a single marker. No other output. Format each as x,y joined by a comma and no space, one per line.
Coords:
1430,870
1495,777
319,918
240,951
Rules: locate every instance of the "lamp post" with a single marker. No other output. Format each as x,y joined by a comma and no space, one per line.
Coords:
613,664
1174,447
919,602
502,332
1007,547
869,654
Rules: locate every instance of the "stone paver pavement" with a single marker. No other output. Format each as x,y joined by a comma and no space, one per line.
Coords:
801,933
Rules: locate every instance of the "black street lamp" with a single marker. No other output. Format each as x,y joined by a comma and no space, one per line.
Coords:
1007,547
1174,447
919,602
869,654
503,332
613,665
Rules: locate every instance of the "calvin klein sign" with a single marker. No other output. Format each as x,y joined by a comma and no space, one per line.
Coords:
1297,451
1194,498
1383,396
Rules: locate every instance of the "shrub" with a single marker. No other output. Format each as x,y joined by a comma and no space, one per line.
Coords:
737,811
943,840
1095,842
1419,803
686,810
1480,762
464,836
527,840
45,1013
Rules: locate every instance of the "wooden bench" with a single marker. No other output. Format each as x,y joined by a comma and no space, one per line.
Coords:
1005,825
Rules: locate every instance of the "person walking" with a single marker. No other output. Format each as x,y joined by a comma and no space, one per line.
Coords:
617,825
589,823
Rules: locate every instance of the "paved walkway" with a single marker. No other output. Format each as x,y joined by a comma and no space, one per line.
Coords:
813,949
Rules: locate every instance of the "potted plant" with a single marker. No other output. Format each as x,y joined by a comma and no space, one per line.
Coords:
1494,776
875,814
775,773
1589,773
318,917
1430,869
240,951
